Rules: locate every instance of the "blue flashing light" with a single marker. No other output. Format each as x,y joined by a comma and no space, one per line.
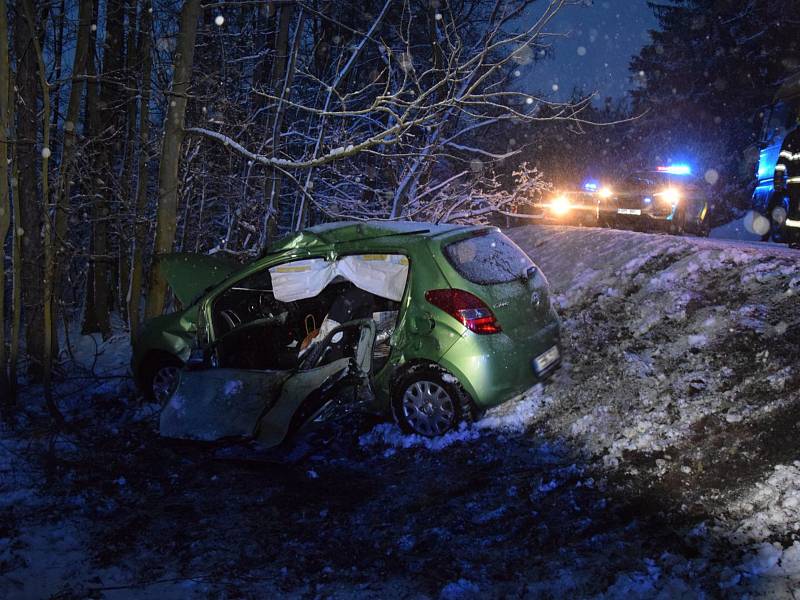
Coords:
648,200
591,186
675,169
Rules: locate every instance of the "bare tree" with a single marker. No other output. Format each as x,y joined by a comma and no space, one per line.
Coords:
27,195
47,229
143,174
66,167
421,113
109,124
170,152
5,204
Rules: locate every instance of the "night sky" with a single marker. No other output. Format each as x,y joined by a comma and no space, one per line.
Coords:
599,40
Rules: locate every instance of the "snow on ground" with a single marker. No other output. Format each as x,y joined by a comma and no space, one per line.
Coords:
661,461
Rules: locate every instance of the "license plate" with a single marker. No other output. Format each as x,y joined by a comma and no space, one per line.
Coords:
546,359
629,211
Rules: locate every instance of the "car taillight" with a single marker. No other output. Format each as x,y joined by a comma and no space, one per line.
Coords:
467,308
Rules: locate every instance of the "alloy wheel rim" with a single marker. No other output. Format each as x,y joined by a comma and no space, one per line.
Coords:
165,381
428,408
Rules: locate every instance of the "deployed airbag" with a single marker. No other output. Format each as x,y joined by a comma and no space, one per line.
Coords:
381,274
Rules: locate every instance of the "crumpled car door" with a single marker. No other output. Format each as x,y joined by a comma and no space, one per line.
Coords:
217,403
307,392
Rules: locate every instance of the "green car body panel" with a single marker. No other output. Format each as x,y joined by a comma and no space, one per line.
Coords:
490,367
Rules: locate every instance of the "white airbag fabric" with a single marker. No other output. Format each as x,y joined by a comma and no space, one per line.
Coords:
381,274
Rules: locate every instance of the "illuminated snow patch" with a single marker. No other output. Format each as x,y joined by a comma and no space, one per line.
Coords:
514,416
389,434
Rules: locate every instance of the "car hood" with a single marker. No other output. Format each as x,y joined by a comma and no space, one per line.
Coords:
189,275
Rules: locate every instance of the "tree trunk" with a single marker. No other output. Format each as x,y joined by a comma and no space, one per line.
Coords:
282,76
30,227
70,133
123,221
16,249
170,153
100,284
47,242
5,204
91,128
140,223
57,60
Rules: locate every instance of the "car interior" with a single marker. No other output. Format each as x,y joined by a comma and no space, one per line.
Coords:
254,330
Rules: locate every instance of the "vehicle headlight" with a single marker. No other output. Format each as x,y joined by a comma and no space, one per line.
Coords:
671,195
560,205
606,193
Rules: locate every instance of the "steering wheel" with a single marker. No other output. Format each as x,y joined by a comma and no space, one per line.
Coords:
232,320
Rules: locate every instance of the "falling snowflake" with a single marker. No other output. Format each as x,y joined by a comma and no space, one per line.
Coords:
528,100
581,50
45,152
712,176
219,20
555,87
523,55
756,223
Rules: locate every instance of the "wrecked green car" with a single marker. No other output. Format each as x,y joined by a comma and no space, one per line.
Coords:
435,321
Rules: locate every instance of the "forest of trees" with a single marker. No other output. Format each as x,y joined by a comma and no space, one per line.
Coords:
134,128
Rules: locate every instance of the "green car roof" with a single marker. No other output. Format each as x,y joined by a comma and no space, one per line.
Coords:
350,231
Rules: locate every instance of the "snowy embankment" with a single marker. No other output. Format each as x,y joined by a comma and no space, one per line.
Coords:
682,370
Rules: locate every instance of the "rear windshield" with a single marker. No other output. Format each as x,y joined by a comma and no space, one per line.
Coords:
488,259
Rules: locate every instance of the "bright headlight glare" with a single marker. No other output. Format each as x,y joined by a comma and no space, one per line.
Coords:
671,195
560,205
606,192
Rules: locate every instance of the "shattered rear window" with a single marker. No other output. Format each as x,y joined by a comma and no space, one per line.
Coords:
488,259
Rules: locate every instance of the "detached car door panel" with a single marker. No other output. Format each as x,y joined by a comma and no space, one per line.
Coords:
218,403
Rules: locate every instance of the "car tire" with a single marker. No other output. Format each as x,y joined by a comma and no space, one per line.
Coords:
159,376
429,402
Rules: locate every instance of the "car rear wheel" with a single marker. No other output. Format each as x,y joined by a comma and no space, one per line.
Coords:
160,377
429,402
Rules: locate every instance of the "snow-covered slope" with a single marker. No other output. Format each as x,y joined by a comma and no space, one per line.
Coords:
664,332
682,371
